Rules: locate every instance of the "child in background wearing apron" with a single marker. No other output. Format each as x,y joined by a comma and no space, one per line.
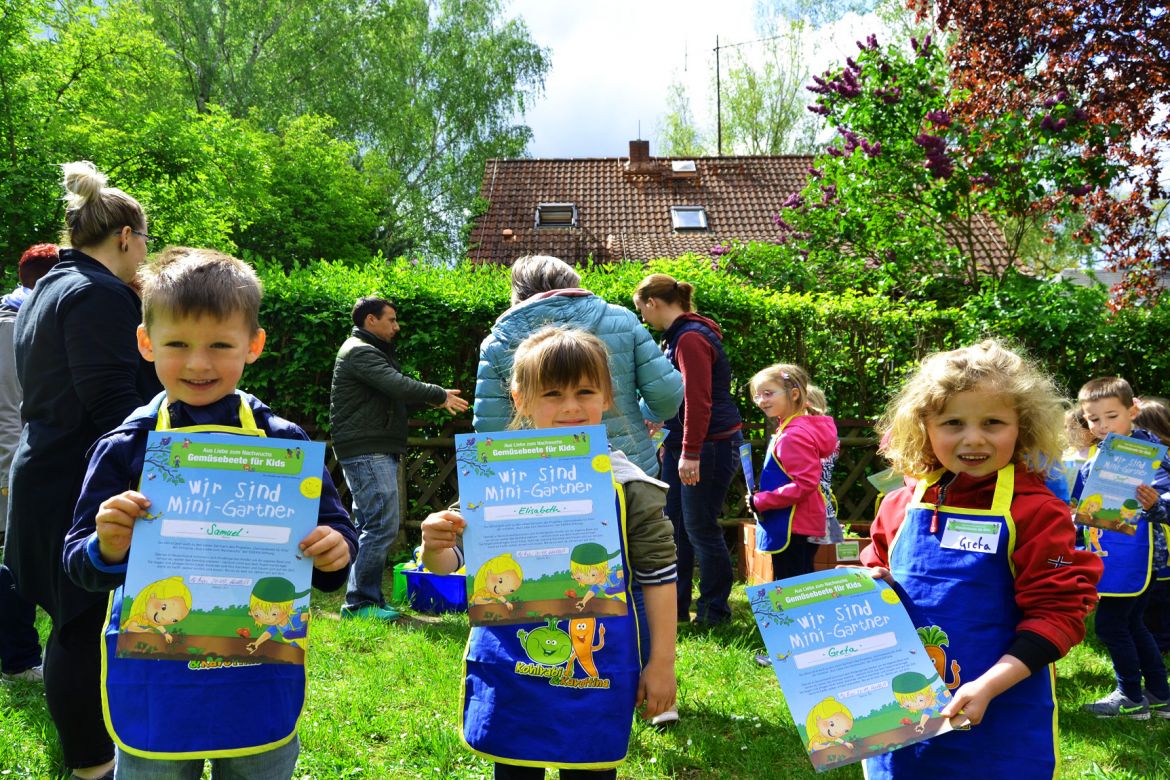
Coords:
790,505
985,553
560,377
1130,566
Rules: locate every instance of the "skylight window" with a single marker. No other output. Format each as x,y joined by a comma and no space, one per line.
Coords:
556,215
688,217
683,166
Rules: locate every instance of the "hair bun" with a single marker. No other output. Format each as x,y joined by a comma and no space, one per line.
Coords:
82,181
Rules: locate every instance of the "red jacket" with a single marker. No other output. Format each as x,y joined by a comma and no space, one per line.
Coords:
1054,598
799,450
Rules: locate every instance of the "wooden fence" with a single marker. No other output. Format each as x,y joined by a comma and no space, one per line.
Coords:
428,481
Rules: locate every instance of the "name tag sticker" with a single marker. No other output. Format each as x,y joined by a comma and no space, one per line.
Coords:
971,536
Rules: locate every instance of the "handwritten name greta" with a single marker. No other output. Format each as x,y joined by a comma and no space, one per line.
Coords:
976,543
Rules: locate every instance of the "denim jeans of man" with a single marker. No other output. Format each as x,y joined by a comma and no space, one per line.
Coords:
373,483
694,510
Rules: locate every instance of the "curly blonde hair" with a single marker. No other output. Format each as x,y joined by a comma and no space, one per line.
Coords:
988,365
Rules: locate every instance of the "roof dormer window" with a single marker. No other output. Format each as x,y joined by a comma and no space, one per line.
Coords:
556,215
688,218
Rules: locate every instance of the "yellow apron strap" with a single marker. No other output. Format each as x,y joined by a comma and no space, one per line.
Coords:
247,422
1005,485
923,484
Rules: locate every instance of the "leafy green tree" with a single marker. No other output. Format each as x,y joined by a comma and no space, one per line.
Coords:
763,105
901,196
760,89
429,90
678,134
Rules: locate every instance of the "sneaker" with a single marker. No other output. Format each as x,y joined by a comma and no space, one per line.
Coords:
763,660
37,674
1159,708
665,719
1117,705
370,612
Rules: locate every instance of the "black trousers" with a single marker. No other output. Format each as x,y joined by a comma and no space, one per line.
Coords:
73,675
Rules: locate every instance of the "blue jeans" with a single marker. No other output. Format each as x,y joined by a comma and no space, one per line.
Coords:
276,764
373,483
694,510
1131,647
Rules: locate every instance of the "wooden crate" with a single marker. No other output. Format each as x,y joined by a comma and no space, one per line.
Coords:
827,555
755,568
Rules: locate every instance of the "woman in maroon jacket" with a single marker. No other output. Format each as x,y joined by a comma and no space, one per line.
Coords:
700,453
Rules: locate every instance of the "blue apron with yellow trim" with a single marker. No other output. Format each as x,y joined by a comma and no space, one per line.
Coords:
774,526
961,580
1128,560
559,693
170,710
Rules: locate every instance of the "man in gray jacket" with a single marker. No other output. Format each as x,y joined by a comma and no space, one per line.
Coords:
369,406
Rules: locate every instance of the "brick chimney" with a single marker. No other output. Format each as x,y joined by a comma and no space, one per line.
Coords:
639,161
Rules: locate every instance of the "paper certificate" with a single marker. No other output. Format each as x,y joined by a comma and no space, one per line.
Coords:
542,538
745,460
852,667
215,574
1108,498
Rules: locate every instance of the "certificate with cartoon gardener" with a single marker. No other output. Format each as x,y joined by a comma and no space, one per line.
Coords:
853,669
215,573
542,538
1108,501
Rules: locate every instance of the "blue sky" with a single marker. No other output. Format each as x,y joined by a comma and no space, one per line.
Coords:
614,60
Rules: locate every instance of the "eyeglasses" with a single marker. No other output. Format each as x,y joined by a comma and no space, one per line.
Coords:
145,236
763,395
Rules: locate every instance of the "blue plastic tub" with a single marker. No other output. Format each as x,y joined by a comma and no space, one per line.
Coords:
436,593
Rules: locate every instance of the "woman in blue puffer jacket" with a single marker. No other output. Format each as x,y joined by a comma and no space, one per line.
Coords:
546,291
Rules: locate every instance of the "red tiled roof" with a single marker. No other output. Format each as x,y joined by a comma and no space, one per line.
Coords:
623,211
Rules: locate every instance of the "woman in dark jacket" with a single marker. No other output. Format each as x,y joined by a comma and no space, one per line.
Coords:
77,360
701,453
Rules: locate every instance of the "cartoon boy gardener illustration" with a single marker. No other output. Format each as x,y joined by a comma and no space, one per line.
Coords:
915,693
589,566
271,606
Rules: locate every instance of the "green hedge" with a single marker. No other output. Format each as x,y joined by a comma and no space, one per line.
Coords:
856,346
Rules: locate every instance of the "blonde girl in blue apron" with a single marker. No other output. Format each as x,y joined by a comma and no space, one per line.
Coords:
168,716
523,723
986,554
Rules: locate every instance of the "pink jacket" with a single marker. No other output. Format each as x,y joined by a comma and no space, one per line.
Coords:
799,450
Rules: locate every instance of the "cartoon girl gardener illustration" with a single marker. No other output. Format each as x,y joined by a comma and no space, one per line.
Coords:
497,579
914,693
589,566
271,606
827,724
160,604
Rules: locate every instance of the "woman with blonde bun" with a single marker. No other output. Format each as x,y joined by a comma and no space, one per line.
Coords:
77,360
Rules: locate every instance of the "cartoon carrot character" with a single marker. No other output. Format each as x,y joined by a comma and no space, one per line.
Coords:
581,635
934,639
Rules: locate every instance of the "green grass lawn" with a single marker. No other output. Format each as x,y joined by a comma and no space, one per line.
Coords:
384,702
